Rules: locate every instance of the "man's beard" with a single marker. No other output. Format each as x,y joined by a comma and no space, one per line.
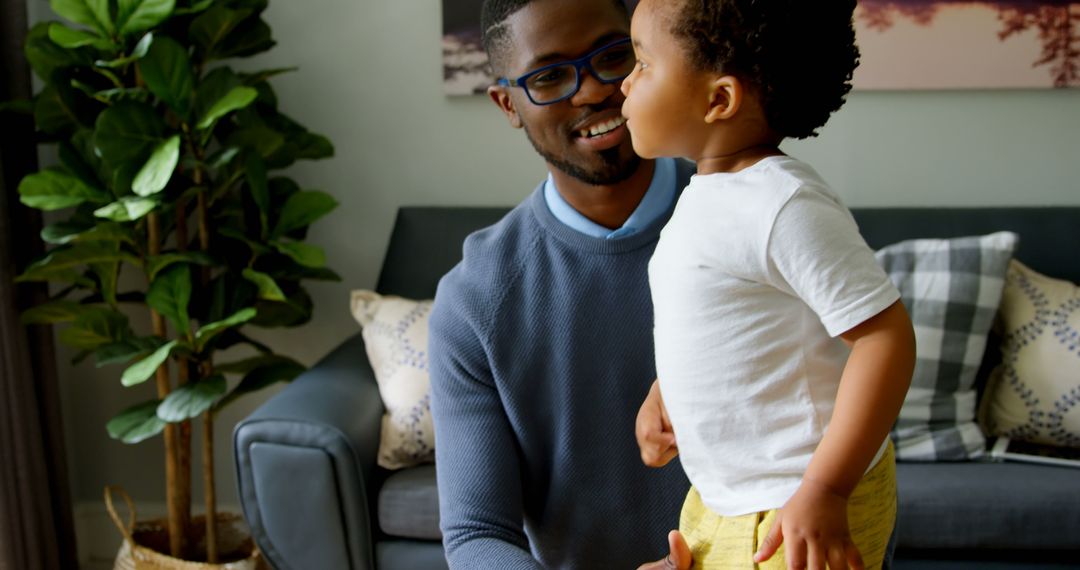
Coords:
613,171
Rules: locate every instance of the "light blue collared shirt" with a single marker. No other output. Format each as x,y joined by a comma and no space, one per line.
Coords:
655,203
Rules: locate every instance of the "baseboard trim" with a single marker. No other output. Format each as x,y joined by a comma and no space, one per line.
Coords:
97,535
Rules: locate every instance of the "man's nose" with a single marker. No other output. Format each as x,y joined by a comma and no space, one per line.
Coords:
592,90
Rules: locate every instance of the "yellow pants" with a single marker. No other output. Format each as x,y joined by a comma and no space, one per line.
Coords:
719,542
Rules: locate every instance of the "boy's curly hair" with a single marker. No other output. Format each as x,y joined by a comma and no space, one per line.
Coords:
797,55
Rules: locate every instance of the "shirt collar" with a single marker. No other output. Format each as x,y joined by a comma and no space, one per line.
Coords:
654,204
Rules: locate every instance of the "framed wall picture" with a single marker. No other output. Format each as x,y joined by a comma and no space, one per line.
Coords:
923,44
905,44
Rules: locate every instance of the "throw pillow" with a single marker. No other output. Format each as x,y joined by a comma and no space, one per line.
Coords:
395,332
1034,395
951,288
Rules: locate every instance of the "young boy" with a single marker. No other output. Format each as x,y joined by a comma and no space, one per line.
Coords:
759,281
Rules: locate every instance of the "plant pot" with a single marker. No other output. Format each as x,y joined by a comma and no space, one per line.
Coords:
144,542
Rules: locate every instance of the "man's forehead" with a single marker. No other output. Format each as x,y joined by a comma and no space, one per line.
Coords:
550,30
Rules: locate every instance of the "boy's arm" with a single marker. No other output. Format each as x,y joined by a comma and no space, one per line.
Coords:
476,456
872,389
655,438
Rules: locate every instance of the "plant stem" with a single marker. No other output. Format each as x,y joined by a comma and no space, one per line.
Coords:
179,507
209,490
210,493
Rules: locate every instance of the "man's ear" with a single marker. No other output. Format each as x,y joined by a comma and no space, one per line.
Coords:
725,98
501,96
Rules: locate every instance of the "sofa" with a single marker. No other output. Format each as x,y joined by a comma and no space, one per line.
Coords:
315,498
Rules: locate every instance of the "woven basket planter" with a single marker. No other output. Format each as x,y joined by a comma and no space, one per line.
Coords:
145,541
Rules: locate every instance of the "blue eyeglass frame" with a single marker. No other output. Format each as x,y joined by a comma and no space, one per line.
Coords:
578,63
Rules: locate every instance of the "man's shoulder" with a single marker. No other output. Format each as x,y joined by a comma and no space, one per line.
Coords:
492,256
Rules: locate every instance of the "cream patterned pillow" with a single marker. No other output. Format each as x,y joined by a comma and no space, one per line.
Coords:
1034,395
395,332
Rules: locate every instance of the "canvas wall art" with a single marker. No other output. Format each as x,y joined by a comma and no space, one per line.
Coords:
906,44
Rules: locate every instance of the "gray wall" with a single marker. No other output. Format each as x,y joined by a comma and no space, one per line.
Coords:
370,80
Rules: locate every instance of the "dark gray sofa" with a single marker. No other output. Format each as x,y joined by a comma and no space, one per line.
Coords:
315,499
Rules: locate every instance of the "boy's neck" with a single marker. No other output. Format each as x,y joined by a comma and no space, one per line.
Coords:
738,159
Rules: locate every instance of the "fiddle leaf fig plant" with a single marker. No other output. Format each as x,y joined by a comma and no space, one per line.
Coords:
170,209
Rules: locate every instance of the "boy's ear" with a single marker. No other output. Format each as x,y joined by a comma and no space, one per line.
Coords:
501,96
725,98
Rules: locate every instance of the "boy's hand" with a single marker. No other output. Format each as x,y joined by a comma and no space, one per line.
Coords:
653,430
814,526
679,559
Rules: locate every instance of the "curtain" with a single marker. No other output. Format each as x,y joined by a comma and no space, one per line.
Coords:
36,526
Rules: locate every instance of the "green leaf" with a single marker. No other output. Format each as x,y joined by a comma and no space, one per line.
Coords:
211,27
222,157
52,312
191,400
296,310
252,79
166,68
128,132
54,189
107,274
211,330
67,232
268,289
249,38
56,110
92,13
122,352
156,263
303,253
262,140
17,106
273,369
237,98
170,293
239,235
142,370
134,16
301,209
127,209
136,423
194,8
95,327
139,52
77,155
260,190
45,56
66,37
78,255
313,147
159,168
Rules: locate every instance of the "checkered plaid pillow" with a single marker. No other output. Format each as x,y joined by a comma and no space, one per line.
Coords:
952,289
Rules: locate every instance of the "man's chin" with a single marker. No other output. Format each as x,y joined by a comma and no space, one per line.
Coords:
615,170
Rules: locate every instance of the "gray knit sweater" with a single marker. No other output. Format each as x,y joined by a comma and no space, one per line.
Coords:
541,352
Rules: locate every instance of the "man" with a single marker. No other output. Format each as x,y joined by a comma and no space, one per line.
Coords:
541,338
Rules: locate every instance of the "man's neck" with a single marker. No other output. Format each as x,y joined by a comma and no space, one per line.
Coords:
607,205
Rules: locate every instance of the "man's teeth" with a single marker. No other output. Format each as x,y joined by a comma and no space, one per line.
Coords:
602,128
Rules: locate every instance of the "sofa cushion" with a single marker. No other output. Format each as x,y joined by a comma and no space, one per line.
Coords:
951,288
1034,395
974,505
409,504
395,333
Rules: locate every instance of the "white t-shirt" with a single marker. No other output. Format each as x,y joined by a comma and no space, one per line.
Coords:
753,278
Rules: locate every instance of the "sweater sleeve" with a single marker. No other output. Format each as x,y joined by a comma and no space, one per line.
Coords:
476,452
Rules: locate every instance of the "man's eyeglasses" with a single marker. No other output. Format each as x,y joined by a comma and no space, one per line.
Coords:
560,81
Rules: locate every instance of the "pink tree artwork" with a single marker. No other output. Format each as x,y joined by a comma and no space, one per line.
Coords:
925,44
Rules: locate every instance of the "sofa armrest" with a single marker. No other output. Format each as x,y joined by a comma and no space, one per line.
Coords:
304,460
